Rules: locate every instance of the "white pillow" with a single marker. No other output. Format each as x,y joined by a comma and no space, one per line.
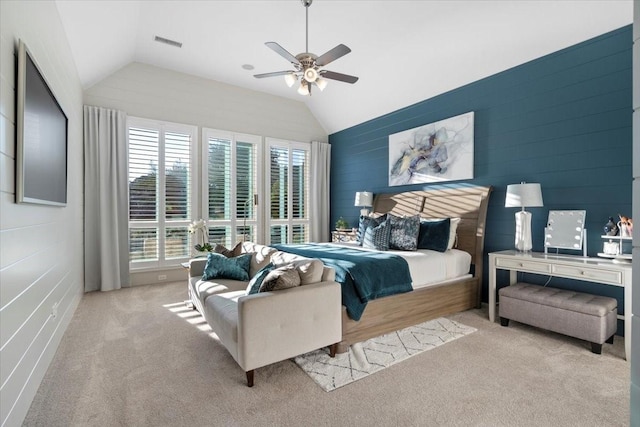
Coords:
452,232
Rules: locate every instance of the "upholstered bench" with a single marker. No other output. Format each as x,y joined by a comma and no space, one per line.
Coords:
579,315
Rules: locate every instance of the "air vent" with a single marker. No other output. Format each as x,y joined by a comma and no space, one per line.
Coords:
167,41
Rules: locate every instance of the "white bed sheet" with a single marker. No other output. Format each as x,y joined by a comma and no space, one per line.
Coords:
428,267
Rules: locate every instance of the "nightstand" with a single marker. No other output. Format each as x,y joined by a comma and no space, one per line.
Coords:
344,236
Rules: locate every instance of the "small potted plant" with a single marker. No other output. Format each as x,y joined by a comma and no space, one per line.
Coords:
342,224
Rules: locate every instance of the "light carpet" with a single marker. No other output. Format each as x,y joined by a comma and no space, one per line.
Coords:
365,358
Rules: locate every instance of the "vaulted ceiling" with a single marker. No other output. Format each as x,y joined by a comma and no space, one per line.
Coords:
402,51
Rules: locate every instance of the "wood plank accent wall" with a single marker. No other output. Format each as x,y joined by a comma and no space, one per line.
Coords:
563,120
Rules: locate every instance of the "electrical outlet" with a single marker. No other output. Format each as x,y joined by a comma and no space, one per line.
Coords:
162,277
54,310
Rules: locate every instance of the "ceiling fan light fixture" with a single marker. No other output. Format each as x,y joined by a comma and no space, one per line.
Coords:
321,83
304,88
309,68
290,79
310,75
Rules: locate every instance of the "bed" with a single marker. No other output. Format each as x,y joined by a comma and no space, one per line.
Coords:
424,303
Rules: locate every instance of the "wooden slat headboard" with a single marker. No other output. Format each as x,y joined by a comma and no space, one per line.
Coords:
467,203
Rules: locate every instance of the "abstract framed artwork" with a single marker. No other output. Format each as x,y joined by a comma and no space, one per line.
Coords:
436,152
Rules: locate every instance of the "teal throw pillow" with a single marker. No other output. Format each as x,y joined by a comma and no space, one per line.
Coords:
434,235
254,284
377,237
365,222
220,267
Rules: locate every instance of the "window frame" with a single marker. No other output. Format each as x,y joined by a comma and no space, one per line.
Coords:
161,223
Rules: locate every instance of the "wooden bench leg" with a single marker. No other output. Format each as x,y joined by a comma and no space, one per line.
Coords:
250,378
610,340
596,348
332,350
504,321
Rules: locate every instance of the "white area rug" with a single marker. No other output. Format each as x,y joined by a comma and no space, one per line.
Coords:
375,354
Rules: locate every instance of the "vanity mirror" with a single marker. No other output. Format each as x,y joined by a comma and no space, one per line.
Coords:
565,230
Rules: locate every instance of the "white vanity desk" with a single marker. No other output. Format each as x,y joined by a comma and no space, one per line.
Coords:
598,270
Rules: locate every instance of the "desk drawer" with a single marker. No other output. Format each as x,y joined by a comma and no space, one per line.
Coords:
523,265
586,273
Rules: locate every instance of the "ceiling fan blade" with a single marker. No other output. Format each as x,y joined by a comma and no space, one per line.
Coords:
282,52
338,76
332,55
276,73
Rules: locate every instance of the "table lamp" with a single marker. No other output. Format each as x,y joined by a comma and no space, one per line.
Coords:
364,200
523,195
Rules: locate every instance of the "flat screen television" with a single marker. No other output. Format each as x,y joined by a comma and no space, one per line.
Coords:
41,137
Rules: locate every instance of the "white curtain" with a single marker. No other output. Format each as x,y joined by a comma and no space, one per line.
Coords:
320,168
106,200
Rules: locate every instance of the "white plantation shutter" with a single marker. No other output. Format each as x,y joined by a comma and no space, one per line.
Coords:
288,191
143,166
232,167
161,193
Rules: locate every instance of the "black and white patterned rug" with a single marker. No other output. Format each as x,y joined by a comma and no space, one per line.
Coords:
373,355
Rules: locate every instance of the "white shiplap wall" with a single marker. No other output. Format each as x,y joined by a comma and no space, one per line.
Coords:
41,261
143,90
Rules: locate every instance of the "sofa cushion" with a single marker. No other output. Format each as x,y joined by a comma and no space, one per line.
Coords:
254,284
219,266
310,269
283,277
202,289
261,256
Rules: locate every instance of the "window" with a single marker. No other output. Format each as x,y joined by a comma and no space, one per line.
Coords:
288,191
161,192
231,192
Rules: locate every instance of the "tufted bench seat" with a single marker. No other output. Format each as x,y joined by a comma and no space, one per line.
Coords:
579,315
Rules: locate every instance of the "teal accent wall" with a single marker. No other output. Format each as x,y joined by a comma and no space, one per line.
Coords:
563,120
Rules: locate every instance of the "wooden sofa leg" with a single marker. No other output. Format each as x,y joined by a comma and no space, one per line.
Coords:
332,350
596,348
250,378
610,340
504,321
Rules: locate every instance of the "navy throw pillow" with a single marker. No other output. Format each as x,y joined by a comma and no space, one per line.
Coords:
220,267
434,235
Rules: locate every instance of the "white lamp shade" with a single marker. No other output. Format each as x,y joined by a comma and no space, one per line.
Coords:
364,199
523,195
290,79
321,83
304,88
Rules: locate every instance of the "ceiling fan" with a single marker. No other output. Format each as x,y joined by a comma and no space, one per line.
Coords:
307,66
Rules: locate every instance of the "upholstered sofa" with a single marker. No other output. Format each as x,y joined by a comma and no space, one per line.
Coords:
267,327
